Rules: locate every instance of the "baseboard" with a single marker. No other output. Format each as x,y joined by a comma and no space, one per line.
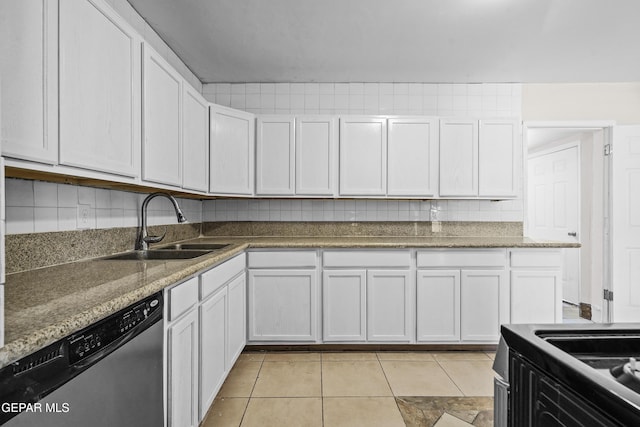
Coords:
372,347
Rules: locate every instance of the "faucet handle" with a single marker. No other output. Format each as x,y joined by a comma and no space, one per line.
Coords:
155,239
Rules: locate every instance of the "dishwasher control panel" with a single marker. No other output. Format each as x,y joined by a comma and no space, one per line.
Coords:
95,338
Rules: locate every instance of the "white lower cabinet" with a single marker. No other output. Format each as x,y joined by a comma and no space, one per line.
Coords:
438,303
343,305
236,318
389,297
484,304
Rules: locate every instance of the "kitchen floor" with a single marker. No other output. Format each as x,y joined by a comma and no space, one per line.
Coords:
443,389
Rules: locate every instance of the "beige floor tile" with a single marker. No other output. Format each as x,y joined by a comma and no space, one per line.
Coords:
355,378
491,355
241,380
408,378
461,355
251,357
447,420
283,412
226,412
348,355
361,412
416,356
473,377
289,379
292,357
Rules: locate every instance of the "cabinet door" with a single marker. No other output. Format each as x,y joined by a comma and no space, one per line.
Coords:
484,304
499,158
458,158
536,296
195,140
413,157
237,315
162,104
344,300
316,156
232,151
213,346
29,83
275,156
438,305
182,349
363,156
99,89
389,307
282,305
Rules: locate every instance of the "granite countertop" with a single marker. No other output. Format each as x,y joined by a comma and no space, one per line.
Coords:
46,304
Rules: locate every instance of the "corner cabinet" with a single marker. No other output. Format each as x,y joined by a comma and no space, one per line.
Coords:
231,152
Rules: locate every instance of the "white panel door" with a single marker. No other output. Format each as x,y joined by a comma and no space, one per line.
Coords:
344,300
499,158
363,156
275,156
316,156
282,305
625,227
389,306
182,349
232,151
438,305
100,81
195,140
484,304
213,348
458,157
536,297
412,157
29,83
162,106
237,315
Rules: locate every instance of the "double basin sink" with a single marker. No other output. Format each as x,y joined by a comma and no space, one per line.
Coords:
177,251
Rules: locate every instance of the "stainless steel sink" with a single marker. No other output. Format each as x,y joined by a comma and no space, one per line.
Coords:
190,246
159,255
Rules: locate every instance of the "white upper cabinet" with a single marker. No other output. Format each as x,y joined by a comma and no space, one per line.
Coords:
316,156
412,157
195,140
162,146
363,156
29,83
275,156
499,158
232,151
458,158
99,79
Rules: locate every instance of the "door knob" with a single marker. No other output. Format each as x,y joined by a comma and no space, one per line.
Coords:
572,233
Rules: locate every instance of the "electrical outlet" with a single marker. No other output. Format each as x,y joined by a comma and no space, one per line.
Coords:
84,212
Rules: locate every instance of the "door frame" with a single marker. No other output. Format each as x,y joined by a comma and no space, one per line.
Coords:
594,125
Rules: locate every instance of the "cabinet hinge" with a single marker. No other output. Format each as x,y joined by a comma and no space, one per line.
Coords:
608,295
607,149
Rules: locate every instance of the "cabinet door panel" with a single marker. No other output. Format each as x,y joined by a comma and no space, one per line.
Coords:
536,297
213,346
344,305
275,156
413,157
458,158
315,156
99,89
195,140
363,156
389,308
484,304
182,348
499,158
237,318
29,84
438,305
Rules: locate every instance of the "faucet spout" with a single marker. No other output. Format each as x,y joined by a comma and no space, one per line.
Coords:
142,243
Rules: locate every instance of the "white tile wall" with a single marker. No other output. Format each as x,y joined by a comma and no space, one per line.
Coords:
481,100
36,206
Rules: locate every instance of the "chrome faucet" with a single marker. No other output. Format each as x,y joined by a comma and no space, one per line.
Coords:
142,243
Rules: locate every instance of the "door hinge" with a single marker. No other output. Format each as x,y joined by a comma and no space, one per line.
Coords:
607,149
608,295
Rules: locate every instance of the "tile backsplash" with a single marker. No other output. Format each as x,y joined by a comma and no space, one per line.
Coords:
482,100
37,206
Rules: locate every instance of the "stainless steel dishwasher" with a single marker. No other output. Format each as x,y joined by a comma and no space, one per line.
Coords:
108,374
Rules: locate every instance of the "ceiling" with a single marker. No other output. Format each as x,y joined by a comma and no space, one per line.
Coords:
401,40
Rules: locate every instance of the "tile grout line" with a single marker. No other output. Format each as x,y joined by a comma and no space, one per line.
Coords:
321,388
251,393
395,400
449,376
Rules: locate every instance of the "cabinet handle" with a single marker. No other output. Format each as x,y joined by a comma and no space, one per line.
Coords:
572,233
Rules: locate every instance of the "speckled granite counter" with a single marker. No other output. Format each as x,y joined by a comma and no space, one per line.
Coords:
47,304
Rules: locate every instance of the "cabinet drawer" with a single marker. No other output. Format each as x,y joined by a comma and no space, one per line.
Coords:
182,297
280,259
218,276
461,258
546,258
374,259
